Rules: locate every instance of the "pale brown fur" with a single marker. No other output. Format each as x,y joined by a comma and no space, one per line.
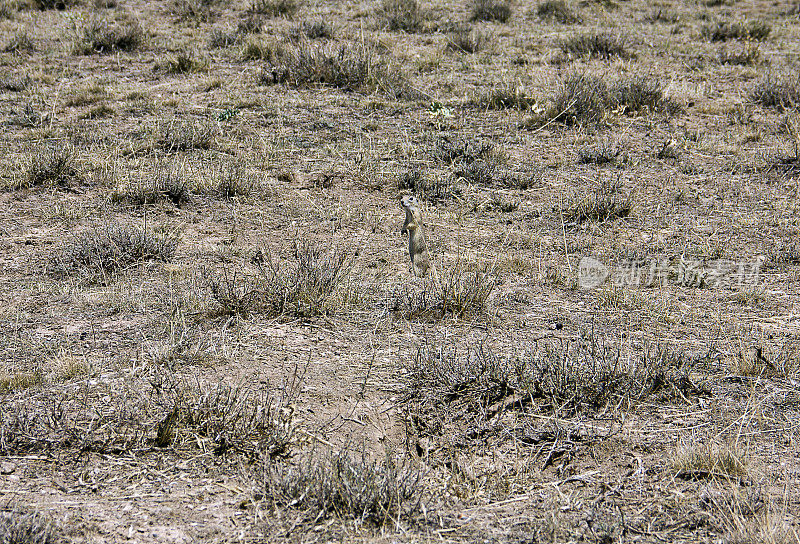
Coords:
417,243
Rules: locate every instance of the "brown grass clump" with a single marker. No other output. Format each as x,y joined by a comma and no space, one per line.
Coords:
101,35
581,99
460,290
315,282
430,188
642,93
748,54
466,39
403,15
100,251
490,10
20,42
602,46
724,30
55,166
313,30
165,184
710,460
60,5
185,135
161,411
781,92
184,62
195,10
347,486
353,67
558,11
275,8
25,526
603,203
451,391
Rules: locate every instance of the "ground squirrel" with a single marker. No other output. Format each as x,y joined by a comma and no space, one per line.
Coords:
417,244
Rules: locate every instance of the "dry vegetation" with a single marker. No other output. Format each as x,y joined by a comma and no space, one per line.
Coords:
209,330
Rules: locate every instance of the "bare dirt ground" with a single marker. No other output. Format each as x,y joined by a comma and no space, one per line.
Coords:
209,331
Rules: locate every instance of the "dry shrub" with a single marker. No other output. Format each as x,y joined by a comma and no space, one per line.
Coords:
604,202
490,10
21,525
346,486
165,184
315,282
779,92
360,67
465,39
460,290
102,35
55,166
724,30
600,45
404,15
274,8
104,250
558,11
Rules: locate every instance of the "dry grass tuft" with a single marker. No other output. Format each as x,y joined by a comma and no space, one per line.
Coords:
451,392
313,30
275,8
102,251
640,93
602,46
344,486
184,62
165,184
185,135
316,282
781,92
724,30
161,411
507,96
60,5
710,460
357,67
747,54
20,42
466,39
581,99
55,166
557,11
429,188
490,10
102,35
604,202
403,15
24,526
461,290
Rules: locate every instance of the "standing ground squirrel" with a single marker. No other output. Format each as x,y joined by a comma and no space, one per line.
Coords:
417,244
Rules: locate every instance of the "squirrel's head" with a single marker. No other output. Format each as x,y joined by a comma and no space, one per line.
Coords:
408,202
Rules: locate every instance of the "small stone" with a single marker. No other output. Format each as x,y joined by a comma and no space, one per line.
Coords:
7,467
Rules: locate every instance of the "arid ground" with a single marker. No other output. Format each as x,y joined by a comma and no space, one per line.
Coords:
209,326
